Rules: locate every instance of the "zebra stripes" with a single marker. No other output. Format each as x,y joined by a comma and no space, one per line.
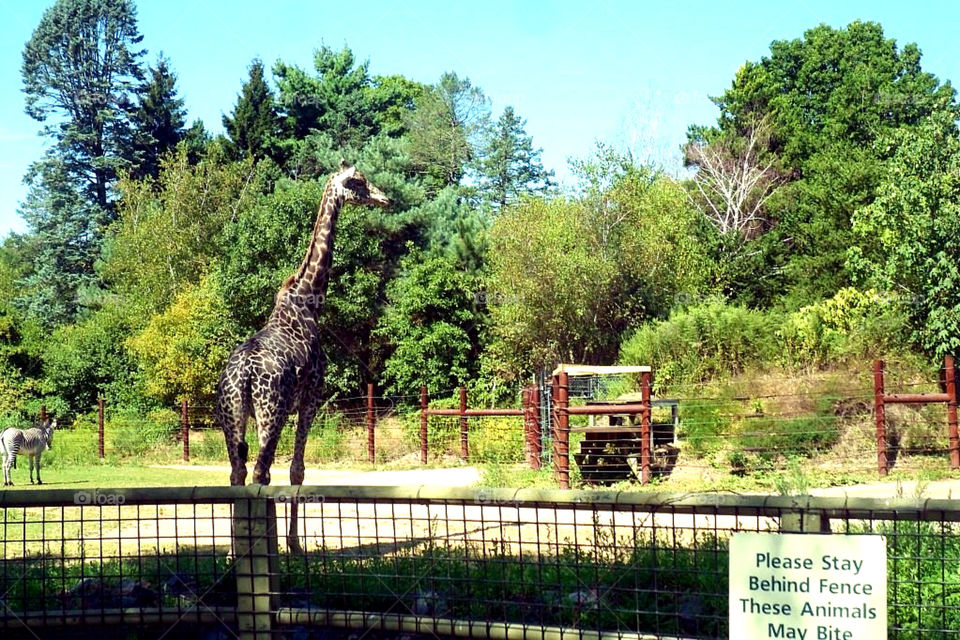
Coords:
31,442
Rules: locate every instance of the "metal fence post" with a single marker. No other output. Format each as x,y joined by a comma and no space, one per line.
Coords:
185,430
423,425
43,413
371,425
100,452
804,522
464,426
536,439
561,435
645,436
881,417
950,371
257,567
527,426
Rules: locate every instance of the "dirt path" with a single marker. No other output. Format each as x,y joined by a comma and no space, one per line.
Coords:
391,527
935,489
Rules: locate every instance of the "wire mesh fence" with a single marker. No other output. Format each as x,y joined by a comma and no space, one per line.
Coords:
443,563
821,423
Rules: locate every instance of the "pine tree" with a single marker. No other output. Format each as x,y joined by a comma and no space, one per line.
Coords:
158,121
80,70
81,64
511,165
254,123
63,245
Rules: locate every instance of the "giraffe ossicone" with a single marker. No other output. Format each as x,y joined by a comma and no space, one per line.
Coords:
280,369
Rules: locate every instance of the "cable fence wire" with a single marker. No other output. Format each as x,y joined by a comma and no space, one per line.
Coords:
820,422
432,561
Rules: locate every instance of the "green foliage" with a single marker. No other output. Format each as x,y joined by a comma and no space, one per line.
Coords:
919,556
183,349
254,123
548,294
454,228
342,101
158,122
826,97
169,232
263,244
908,240
511,166
496,441
853,323
90,92
567,278
430,325
703,341
715,339
89,358
66,232
445,130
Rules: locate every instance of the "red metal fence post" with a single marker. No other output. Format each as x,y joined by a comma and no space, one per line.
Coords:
100,428
527,426
536,441
464,426
423,425
949,369
561,436
371,425
185,430
43,413
645,428
881,417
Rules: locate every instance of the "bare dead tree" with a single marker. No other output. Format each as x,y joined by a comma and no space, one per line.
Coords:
733,182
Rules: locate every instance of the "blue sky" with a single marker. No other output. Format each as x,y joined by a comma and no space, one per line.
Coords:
632,74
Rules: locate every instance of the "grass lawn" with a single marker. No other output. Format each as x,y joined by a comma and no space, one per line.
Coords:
110,476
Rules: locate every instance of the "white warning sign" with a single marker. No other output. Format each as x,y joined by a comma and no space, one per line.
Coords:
808,587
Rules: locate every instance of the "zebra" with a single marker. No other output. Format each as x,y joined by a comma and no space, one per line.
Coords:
32,442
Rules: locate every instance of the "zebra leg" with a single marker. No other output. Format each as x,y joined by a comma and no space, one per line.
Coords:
39,481
30,460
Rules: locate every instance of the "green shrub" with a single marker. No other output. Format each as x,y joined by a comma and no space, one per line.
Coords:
710,340
851,323
703,424
496,440
133,437
703,341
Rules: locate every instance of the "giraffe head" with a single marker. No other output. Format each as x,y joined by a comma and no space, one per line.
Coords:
357,189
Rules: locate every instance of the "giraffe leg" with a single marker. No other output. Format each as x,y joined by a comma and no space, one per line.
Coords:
234,426
308,410
270,421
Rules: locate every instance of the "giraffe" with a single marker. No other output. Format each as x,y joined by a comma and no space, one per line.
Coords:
280,369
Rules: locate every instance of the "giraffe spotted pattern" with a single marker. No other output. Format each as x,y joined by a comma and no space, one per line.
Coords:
280,369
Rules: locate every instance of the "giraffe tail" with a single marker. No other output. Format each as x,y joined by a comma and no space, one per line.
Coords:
243,449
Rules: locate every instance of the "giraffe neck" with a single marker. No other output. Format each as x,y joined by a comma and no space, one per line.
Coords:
309,283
